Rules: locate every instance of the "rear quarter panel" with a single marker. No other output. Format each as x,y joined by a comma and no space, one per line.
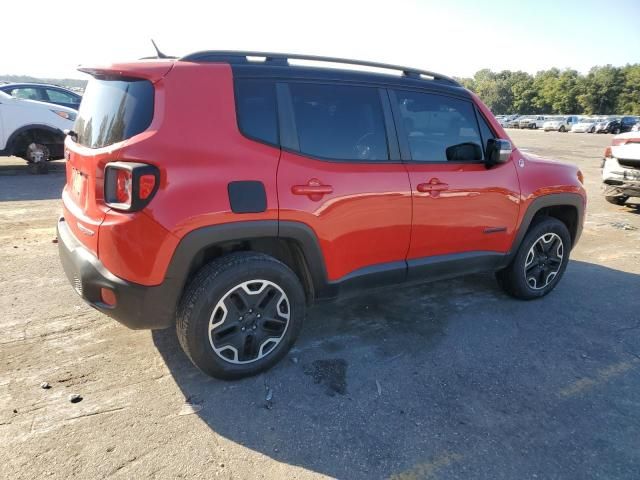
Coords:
196,144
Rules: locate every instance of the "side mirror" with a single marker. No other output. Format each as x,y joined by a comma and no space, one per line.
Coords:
498,151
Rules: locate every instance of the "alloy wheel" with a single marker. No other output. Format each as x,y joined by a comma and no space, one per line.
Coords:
543,261
249,321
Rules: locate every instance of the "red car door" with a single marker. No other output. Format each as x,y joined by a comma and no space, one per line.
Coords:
340,175
462,211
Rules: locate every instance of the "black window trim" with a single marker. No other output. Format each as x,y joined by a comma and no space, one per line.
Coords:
289,135
479,116
403,139
236,97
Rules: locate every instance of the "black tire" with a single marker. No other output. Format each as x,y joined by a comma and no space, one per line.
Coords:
616,200
514,280
562,129
220,280
616,131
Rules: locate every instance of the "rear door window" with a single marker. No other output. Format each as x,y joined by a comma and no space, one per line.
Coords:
438,128
114,110
339,122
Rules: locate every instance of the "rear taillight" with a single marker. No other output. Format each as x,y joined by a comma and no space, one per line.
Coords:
130,186
623,141
616,142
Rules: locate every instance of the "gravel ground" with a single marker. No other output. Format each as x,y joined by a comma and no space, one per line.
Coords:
448,380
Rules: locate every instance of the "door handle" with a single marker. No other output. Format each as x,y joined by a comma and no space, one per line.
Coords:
433,186
314,189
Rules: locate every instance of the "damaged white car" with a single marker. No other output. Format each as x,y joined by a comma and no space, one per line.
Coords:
33,130
621,168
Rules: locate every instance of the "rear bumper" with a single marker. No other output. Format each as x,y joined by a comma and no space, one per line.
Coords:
137,306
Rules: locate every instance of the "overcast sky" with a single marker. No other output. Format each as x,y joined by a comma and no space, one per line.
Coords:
454,37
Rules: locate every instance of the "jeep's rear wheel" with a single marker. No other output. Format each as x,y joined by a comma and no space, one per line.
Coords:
562,129
540,261
240,315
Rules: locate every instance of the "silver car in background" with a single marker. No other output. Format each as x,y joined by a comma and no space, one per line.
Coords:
585,125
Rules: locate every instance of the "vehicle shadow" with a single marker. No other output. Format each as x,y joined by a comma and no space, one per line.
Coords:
449,378
18,184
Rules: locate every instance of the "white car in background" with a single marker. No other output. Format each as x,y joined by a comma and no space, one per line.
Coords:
560,124
507,120
33,130
534,122
585,125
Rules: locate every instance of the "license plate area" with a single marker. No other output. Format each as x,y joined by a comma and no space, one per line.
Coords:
78,184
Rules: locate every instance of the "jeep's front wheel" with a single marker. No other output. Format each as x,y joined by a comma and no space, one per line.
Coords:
240,315
540,261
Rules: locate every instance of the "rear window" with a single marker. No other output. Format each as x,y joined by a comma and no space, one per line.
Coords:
114,110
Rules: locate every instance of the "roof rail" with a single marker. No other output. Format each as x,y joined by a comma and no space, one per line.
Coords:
232,56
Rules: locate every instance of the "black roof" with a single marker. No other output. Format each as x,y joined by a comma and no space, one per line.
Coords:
276,65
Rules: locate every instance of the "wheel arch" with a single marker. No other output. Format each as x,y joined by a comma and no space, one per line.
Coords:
566,207
293,243
52,136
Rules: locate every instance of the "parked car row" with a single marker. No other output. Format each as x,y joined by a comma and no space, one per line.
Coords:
572,123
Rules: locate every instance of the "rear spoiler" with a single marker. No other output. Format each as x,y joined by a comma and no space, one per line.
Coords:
147,70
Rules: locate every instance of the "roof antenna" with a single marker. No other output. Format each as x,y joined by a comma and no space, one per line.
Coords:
158,52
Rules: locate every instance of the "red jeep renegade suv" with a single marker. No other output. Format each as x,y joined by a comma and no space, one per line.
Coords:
224,192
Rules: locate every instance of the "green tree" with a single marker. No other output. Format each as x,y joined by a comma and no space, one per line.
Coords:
604,90
602,87
523,92
629,97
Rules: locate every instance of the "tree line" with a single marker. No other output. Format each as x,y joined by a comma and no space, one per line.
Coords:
603,91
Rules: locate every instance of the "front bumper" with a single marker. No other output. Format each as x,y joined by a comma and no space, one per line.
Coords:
614,188
619,180
137,306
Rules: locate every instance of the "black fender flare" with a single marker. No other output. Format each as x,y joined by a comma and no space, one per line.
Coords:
196,241
36,126
550,200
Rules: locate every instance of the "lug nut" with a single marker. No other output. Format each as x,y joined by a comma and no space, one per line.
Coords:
241,317
254,327
258,315
243,329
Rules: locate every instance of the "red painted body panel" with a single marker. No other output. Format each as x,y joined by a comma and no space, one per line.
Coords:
539,177
196,139
366,220
454,220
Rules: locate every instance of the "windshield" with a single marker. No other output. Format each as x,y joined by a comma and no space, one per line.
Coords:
114,110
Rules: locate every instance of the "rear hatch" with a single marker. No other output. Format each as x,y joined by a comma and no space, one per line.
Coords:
118,105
